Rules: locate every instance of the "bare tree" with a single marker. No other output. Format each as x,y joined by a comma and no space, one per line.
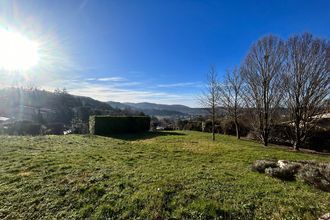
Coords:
308,82
262,71
210,96
231,97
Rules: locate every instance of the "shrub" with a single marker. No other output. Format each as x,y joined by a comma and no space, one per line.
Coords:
287,172
228,127
193,126
281,134
319,140
154,123
23,128
261,165
208,126
78,126
311,172
252,135
105,125
55,128
316,175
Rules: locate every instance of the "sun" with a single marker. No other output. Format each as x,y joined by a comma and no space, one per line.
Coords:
17,53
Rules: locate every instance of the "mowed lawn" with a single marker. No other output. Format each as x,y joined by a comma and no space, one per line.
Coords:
151,176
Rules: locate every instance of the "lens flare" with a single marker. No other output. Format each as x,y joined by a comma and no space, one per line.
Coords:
17,52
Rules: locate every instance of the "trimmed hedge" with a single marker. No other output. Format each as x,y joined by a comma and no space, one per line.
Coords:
105,125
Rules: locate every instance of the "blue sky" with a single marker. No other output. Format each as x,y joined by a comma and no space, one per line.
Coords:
155,51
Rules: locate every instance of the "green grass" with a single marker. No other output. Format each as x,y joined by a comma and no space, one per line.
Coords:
152,176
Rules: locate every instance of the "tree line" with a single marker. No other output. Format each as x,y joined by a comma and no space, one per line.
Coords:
276,74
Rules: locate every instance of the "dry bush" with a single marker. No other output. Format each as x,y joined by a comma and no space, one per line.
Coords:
311,172
286,172
316,175
261,165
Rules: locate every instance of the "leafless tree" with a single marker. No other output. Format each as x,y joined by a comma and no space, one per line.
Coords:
210,96
308,73
231,96
262,72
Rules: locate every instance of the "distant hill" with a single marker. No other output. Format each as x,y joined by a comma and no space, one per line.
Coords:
59,106
41,105
160,109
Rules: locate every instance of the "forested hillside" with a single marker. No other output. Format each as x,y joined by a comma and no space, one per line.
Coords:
57,106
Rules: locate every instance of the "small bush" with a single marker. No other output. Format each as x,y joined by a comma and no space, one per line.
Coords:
208,126
194,126
261,165
287,172
311,172
317,176
252,135
55,128
228,127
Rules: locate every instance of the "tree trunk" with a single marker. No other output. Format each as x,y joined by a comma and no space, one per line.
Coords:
265,138
266,125
237,129
297,142
213,123
265,134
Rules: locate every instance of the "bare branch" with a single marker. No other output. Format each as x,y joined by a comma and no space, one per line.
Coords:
210,97
231,96
308,82
262,72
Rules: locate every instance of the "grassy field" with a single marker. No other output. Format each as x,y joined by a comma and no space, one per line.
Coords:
153,176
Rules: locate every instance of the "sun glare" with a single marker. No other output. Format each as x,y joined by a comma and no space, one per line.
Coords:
17,52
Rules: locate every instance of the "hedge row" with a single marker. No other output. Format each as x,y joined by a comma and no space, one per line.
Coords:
105,125
22,128
31,128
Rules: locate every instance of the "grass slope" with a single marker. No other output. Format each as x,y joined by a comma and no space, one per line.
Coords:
155,176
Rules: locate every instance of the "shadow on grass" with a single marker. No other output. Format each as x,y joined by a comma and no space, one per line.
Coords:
143,136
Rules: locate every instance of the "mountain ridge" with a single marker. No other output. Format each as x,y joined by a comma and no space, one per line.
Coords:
155,109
